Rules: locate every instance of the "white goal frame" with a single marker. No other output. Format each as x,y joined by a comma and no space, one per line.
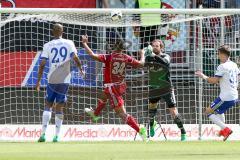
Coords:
125,11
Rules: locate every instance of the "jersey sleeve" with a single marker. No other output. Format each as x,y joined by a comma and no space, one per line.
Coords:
132,61
220,71
72,49
44,54
167,58
164,60
102,58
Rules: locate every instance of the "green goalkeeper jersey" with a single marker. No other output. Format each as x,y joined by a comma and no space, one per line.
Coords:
159,78
159,71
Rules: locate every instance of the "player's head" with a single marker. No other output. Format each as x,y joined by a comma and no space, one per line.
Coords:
57,30
119,45
224,52
157,46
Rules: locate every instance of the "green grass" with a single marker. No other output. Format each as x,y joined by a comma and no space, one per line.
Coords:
197,150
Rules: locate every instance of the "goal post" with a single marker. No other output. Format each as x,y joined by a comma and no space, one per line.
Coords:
208,11
191,38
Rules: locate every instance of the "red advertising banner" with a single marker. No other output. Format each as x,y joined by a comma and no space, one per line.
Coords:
49,4
14,67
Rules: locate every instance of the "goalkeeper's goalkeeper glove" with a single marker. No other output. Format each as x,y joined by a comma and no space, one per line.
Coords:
148,51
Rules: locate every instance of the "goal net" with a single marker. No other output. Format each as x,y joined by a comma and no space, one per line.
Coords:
190,38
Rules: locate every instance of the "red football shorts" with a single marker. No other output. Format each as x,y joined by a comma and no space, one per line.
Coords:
114,91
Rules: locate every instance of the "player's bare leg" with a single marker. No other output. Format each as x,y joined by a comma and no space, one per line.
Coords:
58,120
130,120
100,106
178,121
47,114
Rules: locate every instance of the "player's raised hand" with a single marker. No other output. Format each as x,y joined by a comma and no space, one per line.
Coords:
200,74
85,38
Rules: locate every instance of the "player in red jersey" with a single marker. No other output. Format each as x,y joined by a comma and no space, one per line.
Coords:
114,82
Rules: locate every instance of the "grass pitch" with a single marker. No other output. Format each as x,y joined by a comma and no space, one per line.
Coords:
164,150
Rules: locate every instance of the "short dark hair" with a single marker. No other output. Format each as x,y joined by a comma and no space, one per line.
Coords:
119,45
225,49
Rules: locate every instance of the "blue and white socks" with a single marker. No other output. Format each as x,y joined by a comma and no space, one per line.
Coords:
46,117
217,120
47,114
58,122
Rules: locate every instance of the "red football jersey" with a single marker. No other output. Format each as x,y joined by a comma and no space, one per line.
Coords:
115,66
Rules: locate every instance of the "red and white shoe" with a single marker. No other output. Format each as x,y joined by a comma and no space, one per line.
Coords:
220,133
226,132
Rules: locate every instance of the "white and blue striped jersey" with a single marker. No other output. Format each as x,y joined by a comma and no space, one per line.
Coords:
59,52
228,72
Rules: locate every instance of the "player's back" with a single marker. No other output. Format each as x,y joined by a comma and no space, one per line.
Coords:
229,82
59,53
115,66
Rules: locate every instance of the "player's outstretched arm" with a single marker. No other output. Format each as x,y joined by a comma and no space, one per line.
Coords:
40,73
87,48
137,63
78,64
213,80
165,61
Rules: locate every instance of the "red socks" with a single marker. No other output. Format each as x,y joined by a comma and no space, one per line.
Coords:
129,120
132,122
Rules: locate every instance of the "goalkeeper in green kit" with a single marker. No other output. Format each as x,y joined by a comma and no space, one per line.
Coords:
160,85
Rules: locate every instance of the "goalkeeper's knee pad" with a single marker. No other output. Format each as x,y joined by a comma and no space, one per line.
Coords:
152,109
152,106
